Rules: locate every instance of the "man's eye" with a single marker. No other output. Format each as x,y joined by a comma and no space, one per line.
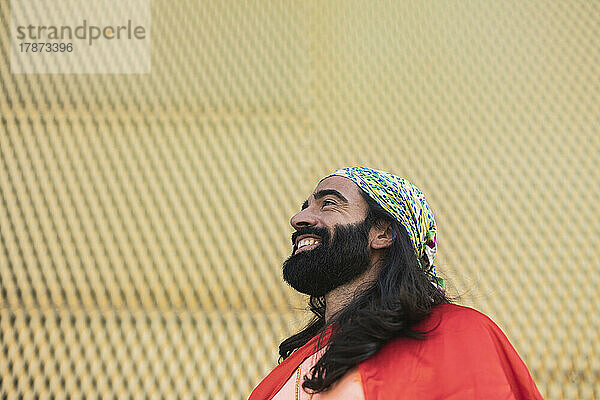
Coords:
328,203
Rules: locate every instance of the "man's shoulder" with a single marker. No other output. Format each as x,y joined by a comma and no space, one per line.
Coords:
459,339
454,314
447,323
452,309
451,332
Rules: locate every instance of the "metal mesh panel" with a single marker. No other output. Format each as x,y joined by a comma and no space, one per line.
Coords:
144,218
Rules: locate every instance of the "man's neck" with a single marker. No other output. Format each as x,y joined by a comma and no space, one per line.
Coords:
340,297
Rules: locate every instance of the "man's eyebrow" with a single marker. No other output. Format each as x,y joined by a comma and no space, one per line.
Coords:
305,204
325,192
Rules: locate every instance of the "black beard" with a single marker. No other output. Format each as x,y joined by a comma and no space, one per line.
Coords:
332,263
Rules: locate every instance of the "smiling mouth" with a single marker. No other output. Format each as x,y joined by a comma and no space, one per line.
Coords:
307,244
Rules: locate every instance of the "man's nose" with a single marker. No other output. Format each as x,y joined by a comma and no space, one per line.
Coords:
303,219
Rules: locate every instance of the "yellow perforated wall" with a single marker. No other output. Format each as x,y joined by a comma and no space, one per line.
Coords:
144,218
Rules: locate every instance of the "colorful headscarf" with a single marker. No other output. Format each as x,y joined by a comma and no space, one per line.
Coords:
407,204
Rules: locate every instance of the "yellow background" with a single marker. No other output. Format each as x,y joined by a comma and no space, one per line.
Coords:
144,218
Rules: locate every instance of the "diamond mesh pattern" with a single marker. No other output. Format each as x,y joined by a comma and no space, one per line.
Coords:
144,218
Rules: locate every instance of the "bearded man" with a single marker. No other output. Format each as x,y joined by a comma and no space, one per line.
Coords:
364,245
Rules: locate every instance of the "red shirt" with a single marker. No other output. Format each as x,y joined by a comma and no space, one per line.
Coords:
465,357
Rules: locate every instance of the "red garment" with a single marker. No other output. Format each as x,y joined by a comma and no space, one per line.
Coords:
465,357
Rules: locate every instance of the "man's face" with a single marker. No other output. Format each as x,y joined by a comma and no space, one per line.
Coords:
331,241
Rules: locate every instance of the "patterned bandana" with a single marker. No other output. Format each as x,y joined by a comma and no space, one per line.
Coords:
407,204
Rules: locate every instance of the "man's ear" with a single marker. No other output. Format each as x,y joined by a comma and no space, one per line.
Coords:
382,235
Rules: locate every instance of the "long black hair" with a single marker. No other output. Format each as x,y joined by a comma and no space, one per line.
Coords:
401,297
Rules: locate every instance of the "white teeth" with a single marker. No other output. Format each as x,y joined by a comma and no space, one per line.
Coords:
307,242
